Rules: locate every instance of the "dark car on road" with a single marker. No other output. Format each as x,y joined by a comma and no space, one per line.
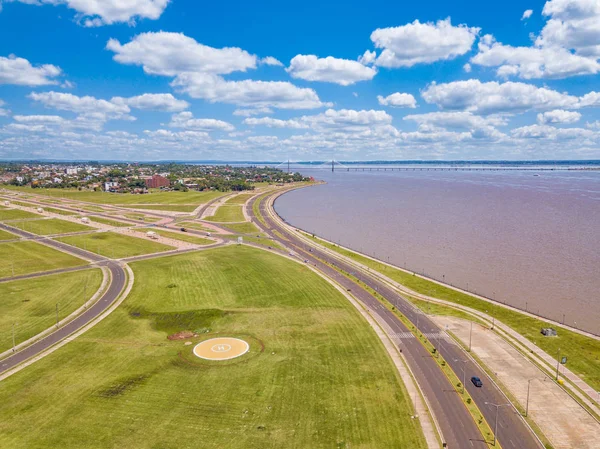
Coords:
477,381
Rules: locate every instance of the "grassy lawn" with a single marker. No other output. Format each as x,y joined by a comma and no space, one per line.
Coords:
50,226
113,245
59,211
106,221
194,225
258,239
141,217
167,207
183,237
583,352
240,198
242,228
16,214
29,257
321,380
5,235
227,214
156,197
31,303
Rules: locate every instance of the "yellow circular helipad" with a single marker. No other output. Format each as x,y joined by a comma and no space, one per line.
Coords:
223,348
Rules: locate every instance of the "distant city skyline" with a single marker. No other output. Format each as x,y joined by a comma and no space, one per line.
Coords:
155,80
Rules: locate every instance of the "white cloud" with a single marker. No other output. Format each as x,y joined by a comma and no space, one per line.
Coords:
100,12
552,133
253,111
467,68
3,112
558,116
590,99
398,100
270,60
82,105
527,14
332,70
39,119
187,120
493,97
348,119
419,43
532,62
593,125
456,120
155,102
19,71
573,24
247,93
369,57
275,123
170,54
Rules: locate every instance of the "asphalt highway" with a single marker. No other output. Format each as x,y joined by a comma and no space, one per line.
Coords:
457,425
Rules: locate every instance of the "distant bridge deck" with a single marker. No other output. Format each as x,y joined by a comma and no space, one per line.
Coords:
487,169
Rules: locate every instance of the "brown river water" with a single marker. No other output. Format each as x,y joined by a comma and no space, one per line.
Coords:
528,239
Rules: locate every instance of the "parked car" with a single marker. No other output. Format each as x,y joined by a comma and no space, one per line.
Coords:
477,381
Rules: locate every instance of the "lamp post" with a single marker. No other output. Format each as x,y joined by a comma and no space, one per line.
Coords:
528,386
464,370
496,421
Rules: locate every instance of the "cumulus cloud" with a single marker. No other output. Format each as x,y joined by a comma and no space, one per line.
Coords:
572,24
187,120
398,100
558,116
81,105
19,71
332,70
348,119
247,93
552,133
155,102
532,62
590,99
421,43
527,14
494,98
253,111
105,12
275,123
39,119
270,60
169,54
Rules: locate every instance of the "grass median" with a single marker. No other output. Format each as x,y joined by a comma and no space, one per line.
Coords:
25,257
316,375
50,226
113,245
227,214
30,305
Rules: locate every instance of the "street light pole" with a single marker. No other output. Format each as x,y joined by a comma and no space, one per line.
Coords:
496,421
464,370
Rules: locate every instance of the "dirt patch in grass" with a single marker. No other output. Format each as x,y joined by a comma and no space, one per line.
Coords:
183,335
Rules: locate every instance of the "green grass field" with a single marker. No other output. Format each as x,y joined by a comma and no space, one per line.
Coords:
258,239
227,214
50,226
141,217
54,210
16,214
322,380
194,225
106,221
242,228
156,197
29,257
5,235
113,245
167,207
31,303
583,352
183,237
240,198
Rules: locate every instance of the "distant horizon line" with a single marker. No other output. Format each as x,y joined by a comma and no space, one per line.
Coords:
309,162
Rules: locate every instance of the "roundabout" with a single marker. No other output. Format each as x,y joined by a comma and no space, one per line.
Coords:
223,348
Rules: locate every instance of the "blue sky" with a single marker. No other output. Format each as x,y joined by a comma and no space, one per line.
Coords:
160,79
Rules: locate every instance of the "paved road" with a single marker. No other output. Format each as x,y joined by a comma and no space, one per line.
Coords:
457,425
118,280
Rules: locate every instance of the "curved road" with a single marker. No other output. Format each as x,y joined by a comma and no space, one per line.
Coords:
457,425
117,284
